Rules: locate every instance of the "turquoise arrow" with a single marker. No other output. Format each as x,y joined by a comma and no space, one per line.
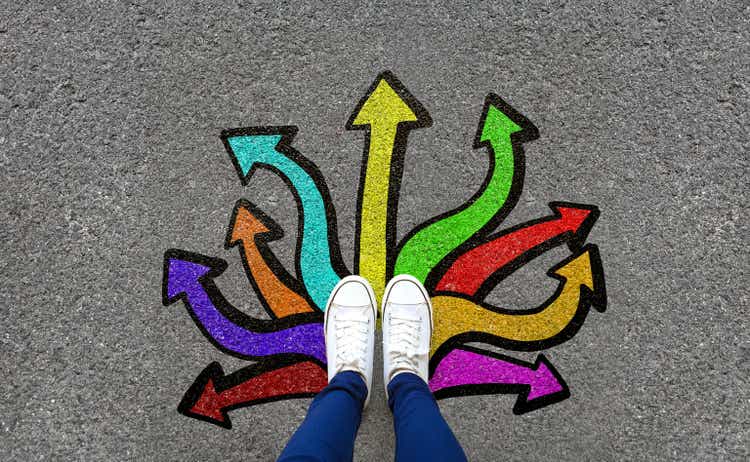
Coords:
318,260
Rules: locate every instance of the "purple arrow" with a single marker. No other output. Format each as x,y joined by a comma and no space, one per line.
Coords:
189,276
467,371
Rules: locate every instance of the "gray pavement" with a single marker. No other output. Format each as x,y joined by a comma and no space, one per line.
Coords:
109,151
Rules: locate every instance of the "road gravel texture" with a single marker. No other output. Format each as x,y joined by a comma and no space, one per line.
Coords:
110,115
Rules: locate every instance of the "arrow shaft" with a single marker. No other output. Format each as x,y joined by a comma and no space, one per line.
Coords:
315,263
374,193
427,247
304,339
455,315
300,378
469,272
281,299
460,367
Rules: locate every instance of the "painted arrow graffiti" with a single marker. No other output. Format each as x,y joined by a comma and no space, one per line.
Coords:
251,229
213,394
471,371
319,263
556,320
388,112
459,256
189,277
501,130
501,253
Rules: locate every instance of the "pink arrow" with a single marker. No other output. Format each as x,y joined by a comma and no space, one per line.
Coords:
471,371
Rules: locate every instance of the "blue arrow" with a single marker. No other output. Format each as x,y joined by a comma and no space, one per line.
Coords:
318,260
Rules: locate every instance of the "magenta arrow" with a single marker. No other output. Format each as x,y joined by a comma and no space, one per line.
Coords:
471,371
189,276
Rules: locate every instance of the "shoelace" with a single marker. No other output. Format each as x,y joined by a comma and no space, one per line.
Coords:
404,345
351,343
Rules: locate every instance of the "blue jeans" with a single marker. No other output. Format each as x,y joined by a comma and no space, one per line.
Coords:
327,434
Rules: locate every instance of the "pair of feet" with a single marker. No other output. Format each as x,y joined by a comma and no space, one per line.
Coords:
350,329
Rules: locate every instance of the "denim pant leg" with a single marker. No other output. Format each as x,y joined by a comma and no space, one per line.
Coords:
328,432
421,432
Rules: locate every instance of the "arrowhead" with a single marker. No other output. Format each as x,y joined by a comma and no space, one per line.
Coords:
201,401
184,270
209,404
248,221
545,380
499,121
546,386
571,217
388,102
577,269
577,218
497,124
584,268
248,146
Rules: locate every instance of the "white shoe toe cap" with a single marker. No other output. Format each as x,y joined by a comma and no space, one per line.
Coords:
352,293
406,292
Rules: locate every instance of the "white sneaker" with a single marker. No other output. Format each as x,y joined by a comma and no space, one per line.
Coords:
407,328
349,328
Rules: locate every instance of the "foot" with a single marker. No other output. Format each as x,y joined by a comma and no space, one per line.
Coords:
349,328
407,328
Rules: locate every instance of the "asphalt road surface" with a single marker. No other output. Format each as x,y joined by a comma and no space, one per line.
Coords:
110,115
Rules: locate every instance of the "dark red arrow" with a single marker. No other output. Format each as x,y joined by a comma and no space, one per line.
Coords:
479,269
213,394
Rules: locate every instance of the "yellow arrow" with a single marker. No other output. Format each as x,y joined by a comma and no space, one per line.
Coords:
555,321
388,111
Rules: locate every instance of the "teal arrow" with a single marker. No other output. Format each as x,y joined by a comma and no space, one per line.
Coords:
502,130
318,260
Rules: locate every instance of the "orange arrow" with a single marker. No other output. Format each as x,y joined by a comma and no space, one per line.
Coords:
277,290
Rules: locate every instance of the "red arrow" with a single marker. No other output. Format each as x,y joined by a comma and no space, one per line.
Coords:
502,253
213,394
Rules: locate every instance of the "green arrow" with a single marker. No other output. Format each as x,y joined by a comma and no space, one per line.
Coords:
502,130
